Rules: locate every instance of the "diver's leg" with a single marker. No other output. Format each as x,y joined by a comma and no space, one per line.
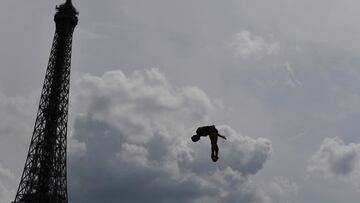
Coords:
216,150
212,150
214,147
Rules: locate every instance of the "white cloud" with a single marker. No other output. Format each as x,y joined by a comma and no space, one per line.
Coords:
334,158
247,44
136,130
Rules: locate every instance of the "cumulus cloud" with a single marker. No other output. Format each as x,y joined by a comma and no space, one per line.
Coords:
247,44
336,158
133,133
245,153
281,190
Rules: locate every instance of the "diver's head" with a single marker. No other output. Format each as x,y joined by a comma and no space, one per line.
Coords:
195,138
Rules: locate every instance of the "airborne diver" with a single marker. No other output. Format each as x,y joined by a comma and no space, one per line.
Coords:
213,134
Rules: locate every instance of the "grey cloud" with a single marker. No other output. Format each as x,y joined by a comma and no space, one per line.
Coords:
17,114
335,158
246,45
292,76
6,181
281,190
15,129
15,132
246,154
5,193
136,131
5,173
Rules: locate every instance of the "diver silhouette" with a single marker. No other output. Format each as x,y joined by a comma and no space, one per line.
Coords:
213,134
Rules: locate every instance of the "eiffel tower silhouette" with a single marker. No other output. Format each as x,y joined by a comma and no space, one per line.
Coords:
44,177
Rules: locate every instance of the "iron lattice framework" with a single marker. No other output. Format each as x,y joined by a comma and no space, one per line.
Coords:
44,177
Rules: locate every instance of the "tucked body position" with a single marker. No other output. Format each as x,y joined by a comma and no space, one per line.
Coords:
213,134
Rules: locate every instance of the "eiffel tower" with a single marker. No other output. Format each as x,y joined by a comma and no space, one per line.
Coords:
44,177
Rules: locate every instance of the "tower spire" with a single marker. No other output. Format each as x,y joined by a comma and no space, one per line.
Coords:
44,179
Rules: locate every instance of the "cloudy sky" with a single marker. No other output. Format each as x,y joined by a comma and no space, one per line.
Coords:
279,78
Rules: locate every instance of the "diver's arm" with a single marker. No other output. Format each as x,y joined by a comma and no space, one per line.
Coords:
223,137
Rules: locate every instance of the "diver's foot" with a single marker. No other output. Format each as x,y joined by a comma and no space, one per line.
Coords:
214,158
